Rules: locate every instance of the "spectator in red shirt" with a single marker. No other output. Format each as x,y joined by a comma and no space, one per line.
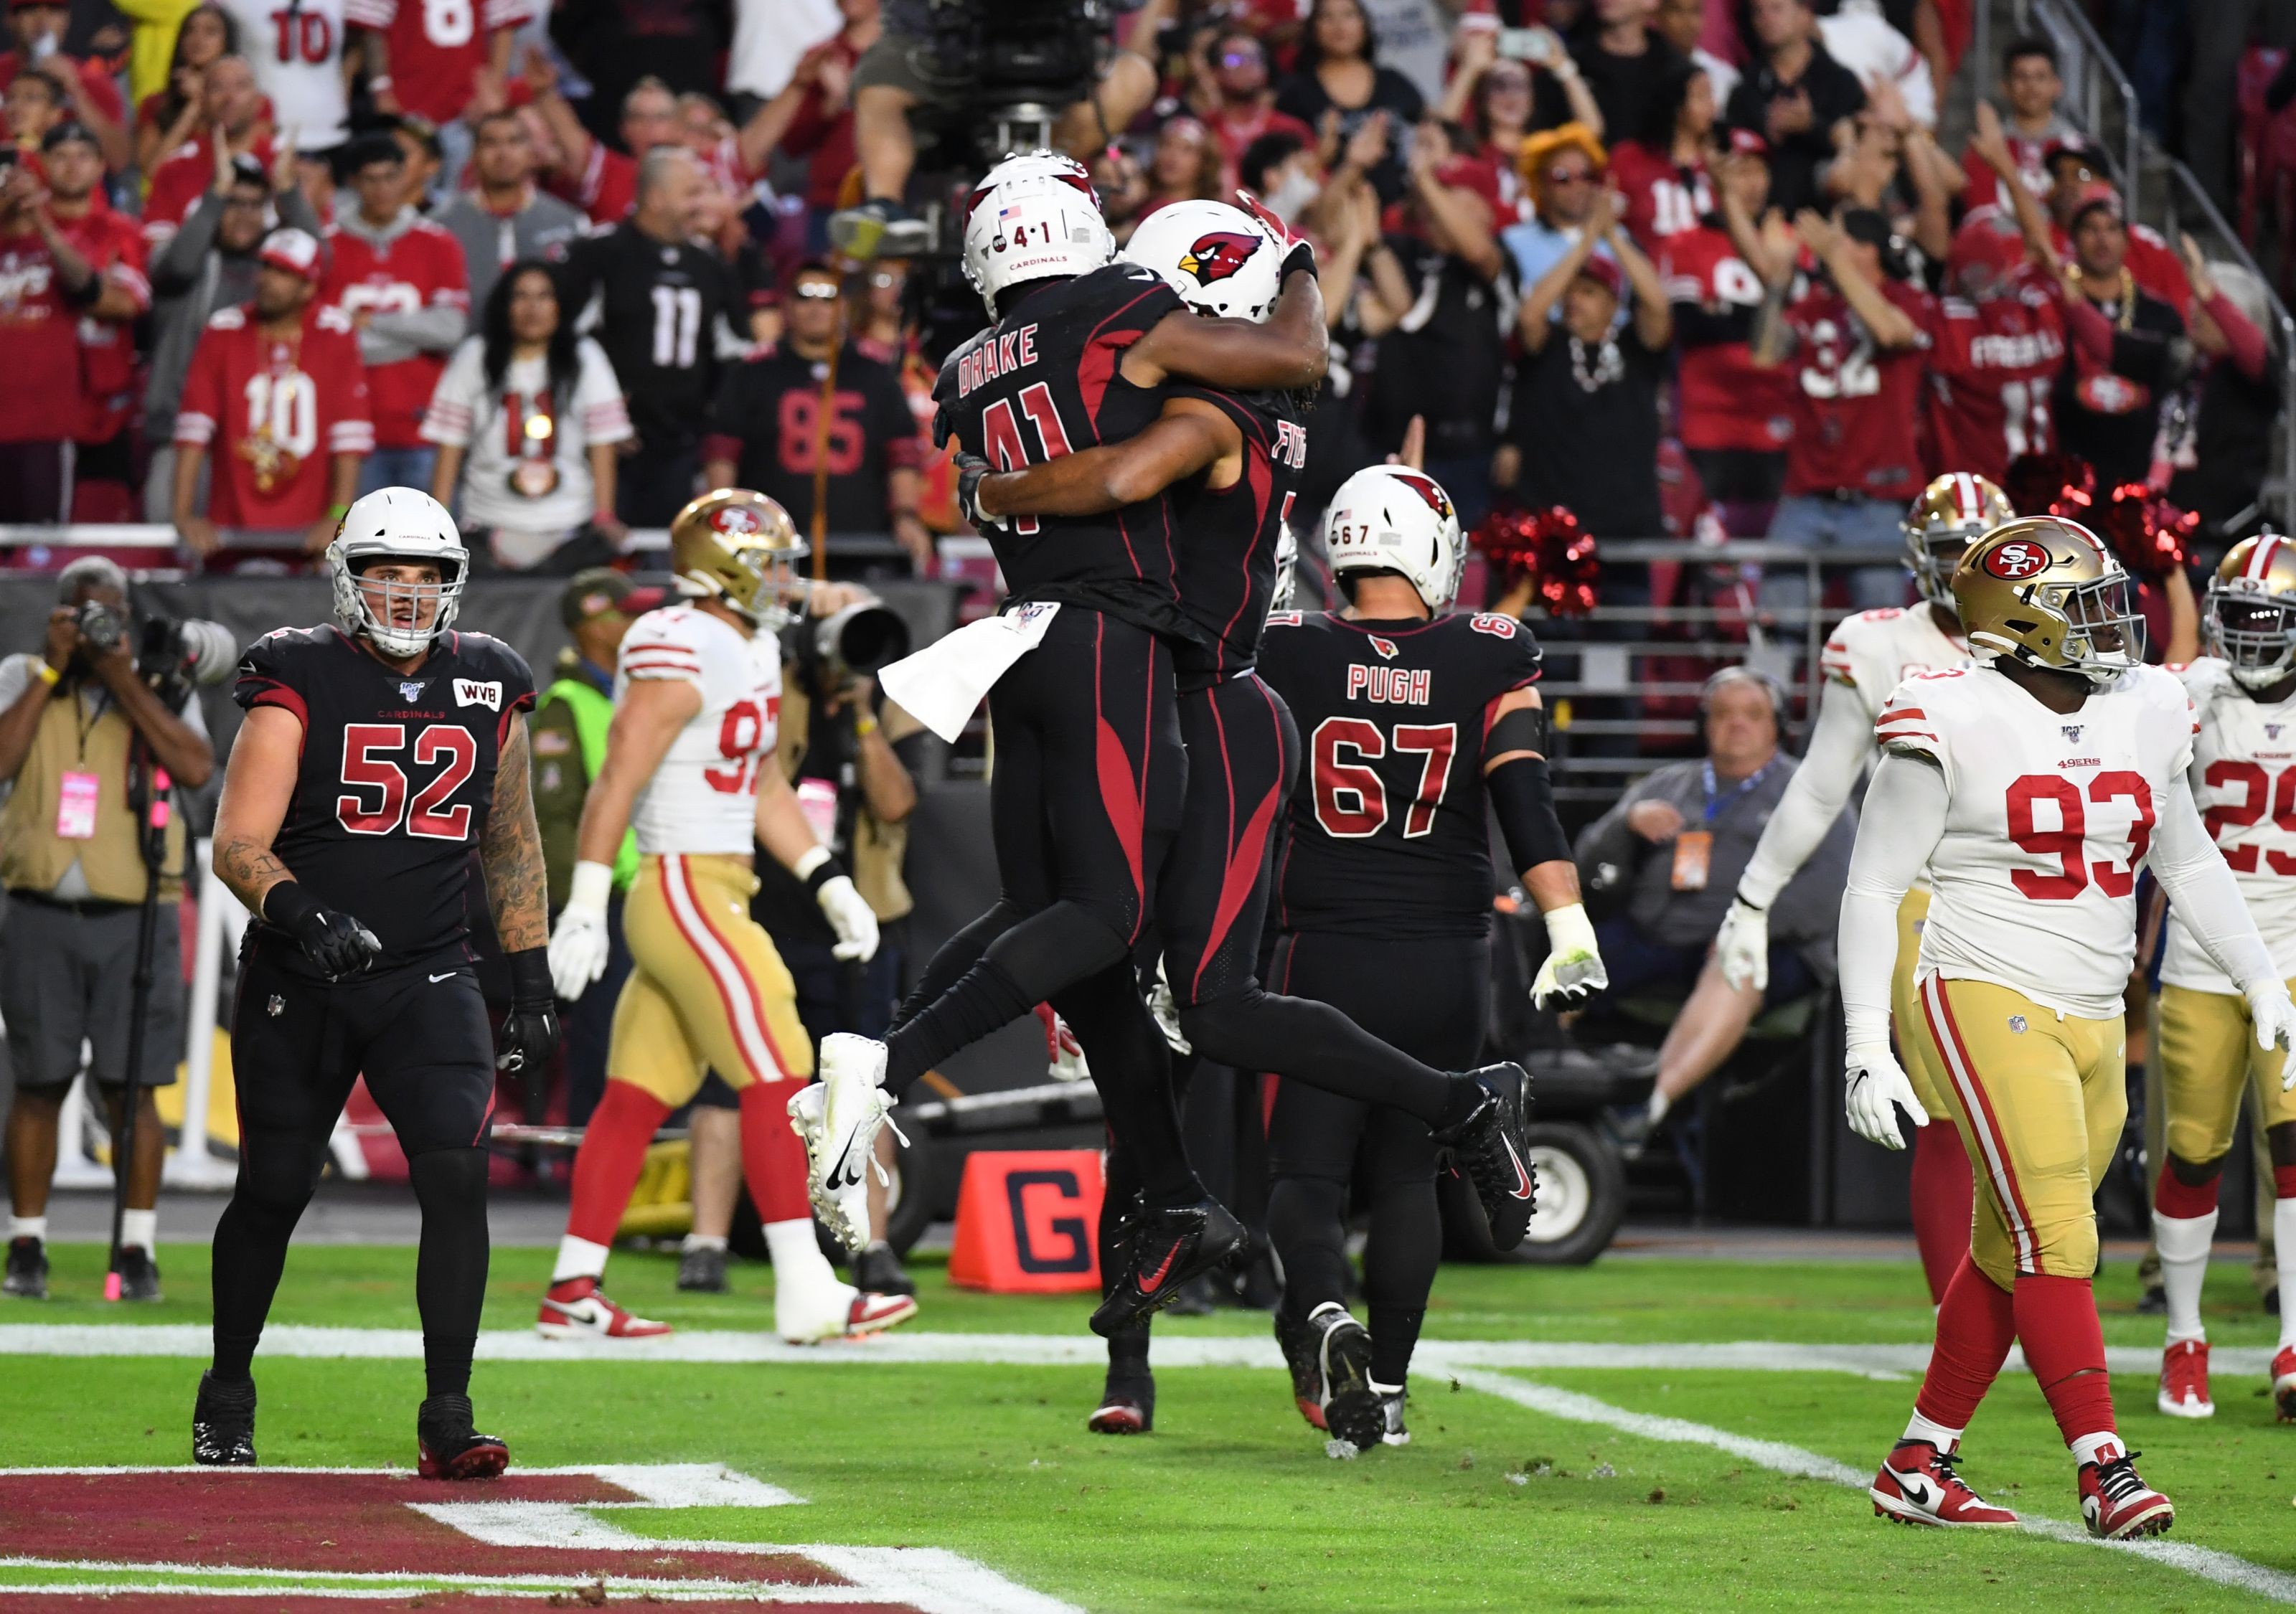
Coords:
2029,92
2130,349
815,111
46,284
1663,172
112,248
1857,340
424,56
91,93
231,111
2080,176
168,119
1229,91
278,393
399,280
604,182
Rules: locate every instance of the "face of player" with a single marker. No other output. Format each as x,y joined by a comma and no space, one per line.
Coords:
1340,33
504,157
2100,242
1741,730
380,185
1683,22
2099,611
402,593
2032,87
1569,188
74,169
231,99
279,293
649,119
1588,308
1780,23
533,310
202,38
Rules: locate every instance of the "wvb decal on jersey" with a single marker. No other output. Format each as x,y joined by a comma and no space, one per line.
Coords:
473,691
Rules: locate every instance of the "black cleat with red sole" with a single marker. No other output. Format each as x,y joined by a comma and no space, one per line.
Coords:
223,1424
1299,1346
1162,1250
1489,1146
450,1448
1127,1406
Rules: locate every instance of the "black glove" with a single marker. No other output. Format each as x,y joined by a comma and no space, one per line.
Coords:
943,428
529,1031
970,469
337,944
1301,257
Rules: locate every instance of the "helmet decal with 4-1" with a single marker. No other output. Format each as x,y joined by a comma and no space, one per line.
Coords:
2044,591
1945,519
2250,616
1038,226
740,547
405,525
1391,517
1219,258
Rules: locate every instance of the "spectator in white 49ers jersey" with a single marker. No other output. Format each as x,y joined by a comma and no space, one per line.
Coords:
297,53
399,280
276,390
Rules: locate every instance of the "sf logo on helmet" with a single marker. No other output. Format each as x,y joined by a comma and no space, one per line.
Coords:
1428,489
1217,256
2017,559
735,520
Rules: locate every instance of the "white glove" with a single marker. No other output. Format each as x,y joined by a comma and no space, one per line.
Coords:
577,942
1574,963
1064,1060
1743,946
853,919
1165,1011
1878,1088
2276,1024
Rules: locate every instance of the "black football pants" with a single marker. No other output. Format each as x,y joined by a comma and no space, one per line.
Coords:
1244,756
1084,801
419,1034
1428,996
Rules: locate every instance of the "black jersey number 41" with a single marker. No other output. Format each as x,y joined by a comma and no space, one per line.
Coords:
377,785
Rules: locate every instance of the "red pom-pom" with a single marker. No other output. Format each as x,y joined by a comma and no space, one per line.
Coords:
1552,550
2050,485
2151,536
1506,538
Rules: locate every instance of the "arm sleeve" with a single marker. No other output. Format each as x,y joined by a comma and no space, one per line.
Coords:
1839,743
2190,868
1904,820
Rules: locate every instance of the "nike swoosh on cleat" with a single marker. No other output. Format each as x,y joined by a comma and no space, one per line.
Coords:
1918,1491
448,976
1522,1189
1150,1281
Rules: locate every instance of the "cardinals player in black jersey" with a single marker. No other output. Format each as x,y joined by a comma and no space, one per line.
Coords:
1086,798
1229,462
379,752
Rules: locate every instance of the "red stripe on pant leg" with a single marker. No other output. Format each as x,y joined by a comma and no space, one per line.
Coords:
613,1152
2056,1323
773,1156
1976,1323
2284,1182
1246,854
1120,791
782,1069
1962,1070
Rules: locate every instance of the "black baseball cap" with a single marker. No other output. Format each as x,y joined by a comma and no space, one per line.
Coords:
70,129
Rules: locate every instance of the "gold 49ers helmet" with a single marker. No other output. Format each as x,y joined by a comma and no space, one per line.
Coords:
2044,591
1947,516
2251,615
741,547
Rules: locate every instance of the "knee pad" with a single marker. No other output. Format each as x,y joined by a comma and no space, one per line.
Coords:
2192,1140
449,1180
2067,1248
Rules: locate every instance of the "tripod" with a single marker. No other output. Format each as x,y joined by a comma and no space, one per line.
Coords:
148,787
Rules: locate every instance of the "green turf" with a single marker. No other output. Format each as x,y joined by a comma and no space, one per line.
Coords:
1231,1503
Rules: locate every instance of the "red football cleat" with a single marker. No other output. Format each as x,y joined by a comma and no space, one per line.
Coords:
2283,1383
872,1313
579,1309
2119,1505
1917,1484
2185,1380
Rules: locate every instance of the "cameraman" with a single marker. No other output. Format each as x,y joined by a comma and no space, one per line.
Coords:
80,731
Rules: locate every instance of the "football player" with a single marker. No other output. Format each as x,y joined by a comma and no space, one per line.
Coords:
1087,795
1866,657
2246,696
2032,785
377,754
690,767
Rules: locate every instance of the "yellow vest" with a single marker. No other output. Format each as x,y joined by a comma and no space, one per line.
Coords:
32,857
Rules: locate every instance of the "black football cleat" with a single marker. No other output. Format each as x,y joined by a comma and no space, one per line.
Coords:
1298,1341
1491,1148
703,1270
1127,1406
223,1424
1353,1410
139,1274
27,1270
877,1271
449,1448
1162,1250
1390,1404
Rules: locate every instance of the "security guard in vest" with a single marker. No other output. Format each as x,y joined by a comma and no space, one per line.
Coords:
568,735
80,733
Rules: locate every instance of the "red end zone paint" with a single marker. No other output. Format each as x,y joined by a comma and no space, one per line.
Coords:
280,1518
440,1603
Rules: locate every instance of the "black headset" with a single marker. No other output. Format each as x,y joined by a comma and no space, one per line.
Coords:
1781,702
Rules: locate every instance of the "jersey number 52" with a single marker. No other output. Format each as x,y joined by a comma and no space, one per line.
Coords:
378,785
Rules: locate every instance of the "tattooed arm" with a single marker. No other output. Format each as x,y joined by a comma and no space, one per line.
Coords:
258,784
518,883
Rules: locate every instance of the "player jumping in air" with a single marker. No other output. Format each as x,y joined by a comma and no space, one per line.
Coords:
377,754
689,765
2032,786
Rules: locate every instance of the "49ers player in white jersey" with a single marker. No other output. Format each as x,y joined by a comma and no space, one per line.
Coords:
1867,656
2243,777
690,767
2033,786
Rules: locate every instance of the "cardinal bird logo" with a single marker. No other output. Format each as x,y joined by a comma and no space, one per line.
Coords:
1218,255
1385,647
1429,489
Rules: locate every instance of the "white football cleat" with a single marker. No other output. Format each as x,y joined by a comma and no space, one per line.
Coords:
839,1145
807,1314
577,1309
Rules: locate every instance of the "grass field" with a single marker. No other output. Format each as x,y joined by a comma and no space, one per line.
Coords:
1632,1478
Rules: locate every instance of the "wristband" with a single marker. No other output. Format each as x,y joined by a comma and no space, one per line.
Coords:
287,903
1751,907
591,885
529,979
864,727
49,675
817,867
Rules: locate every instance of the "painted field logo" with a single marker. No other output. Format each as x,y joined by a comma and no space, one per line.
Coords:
334,1541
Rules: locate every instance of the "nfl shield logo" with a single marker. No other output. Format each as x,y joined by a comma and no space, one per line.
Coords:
2017,1024
411,689
2072,732
2272,731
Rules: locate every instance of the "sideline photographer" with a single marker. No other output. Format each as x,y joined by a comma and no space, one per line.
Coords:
84,737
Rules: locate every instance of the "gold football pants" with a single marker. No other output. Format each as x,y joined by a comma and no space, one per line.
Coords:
1906,1007
2208,1059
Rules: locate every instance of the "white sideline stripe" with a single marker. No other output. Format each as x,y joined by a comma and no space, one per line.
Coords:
1886,1363
2224,1569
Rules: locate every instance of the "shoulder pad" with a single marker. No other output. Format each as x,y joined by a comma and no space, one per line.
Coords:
227,319
2202,677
